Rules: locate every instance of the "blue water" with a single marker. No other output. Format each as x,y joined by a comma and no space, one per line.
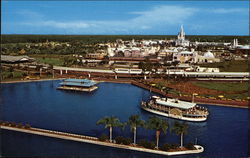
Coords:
224,134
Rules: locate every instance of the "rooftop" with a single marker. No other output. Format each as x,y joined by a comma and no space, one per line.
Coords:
8,58
78,82
176,103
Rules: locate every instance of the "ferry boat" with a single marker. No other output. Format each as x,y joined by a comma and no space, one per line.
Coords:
83,85
175,108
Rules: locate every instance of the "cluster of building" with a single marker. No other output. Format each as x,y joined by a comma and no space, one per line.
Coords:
50,44
162,51
129,54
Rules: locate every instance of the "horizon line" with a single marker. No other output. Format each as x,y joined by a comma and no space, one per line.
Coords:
117,35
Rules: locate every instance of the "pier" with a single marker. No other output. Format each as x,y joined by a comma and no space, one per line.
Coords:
94,140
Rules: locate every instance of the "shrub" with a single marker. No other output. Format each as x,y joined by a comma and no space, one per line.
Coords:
24,74
122,140
166,147
27,126
12,124
142,142
127,141
103,137
147,144
19,125
4,123
174,146
119,140
190,146
7,123
150,145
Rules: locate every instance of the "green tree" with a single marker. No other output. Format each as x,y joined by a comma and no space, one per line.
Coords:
158,124
110,122
134,122
180,129
69,61
11,69
175,63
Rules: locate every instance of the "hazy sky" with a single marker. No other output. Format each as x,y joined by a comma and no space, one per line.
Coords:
125,17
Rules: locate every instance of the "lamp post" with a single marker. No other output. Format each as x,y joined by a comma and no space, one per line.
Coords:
193,96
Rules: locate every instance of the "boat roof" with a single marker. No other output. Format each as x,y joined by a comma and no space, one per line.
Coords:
172,103
155,97
78,82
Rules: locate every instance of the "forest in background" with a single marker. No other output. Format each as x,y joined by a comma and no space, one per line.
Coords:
94,39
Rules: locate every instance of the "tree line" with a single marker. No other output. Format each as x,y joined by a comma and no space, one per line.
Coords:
94,39
153,123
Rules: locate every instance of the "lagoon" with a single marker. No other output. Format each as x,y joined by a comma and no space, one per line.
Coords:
224,134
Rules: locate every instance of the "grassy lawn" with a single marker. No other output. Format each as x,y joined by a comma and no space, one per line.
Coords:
52,59
7,75
223,86
237,96
230,66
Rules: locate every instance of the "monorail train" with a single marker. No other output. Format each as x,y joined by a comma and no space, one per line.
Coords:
139,71
128,71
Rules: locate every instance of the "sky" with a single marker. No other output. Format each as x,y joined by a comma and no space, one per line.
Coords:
125,17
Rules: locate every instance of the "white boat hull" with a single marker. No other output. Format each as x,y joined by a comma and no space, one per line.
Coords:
175,116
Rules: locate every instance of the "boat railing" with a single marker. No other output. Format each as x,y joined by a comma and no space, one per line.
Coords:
196,112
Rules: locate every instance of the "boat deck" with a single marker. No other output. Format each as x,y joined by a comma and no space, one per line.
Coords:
195,113
90,89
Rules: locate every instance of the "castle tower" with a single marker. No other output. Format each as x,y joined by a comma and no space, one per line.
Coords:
181,34
235,43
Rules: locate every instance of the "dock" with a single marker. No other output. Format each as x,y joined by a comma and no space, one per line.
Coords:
78,89
94,140
83,85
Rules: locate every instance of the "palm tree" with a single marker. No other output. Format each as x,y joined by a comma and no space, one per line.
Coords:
159,125
110,122
134,122
180,129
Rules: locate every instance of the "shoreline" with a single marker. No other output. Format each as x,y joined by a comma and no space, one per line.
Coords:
217,104
125,82
198,100
94,140
24,81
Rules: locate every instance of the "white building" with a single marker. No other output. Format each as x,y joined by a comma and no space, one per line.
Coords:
206,69
235,43
193,57
181,41
185,56
208,57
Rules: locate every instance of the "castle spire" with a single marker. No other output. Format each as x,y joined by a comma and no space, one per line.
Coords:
181,34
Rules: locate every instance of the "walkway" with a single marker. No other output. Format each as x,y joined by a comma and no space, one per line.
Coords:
94,140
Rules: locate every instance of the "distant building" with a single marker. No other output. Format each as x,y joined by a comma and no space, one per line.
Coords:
181,41
184,56
193,57
15,59
206,69
235,43
95,55
208,57
243,50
